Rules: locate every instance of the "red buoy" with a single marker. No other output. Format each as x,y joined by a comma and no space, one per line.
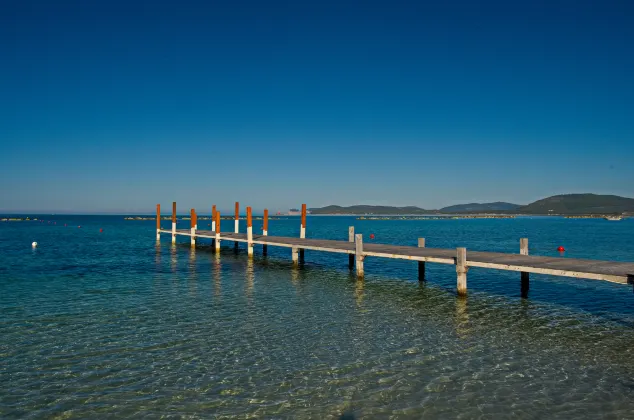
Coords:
561,249
100,230
372,236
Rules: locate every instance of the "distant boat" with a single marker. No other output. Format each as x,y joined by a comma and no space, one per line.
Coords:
613,217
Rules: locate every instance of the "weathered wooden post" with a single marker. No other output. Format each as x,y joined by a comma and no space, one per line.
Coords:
174,222
217,231
237,224
158,222
359,254
249,232
265,229
524,275
461,271
421,264
192,226
351,239
295,255
213,218
302,232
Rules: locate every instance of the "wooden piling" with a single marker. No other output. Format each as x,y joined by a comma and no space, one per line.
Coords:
265,229
421,264
249,232
217,242
174,222
350,239
158,222
213,218
359,254
237,224
461,271
192,225
302,232
295,255
525,279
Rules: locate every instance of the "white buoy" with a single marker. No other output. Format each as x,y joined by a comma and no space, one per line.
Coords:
34,244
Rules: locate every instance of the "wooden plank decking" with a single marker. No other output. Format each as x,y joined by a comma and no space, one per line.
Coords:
612,271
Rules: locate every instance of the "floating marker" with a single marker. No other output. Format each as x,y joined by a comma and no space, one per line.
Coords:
100,230
372,236
34,244
561,249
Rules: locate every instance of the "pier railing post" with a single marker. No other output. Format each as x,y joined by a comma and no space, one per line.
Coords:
192,225
351,239
237,224
461,271
302,232
359,254
217,244
421,264
174,222
524,275
265,229
249,232
158,222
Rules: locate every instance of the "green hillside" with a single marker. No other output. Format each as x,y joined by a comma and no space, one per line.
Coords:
579,204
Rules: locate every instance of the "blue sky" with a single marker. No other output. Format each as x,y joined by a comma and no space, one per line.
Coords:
115,106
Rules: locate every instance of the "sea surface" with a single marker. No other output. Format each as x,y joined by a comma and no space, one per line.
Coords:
113,324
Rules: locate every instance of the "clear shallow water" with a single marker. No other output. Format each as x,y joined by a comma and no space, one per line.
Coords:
112,325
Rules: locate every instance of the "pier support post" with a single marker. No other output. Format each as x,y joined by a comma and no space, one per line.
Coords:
237,224
461,271
359,254
265,230
174,222
302,232
192,225
351,239
158,222
421,264
249,233
217,245
524,275
295,255
213,224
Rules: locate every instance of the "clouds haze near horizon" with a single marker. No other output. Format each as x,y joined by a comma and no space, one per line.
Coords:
111,106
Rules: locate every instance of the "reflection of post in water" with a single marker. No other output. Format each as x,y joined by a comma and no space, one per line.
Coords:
157,256
192,279
358,290
461,318
250,277
173,258
295,274
217,273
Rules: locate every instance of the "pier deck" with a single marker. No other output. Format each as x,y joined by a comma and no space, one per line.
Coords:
612,271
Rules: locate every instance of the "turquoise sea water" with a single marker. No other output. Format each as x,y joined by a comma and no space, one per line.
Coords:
112,325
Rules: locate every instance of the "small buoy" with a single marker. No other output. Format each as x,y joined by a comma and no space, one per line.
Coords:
561,249
34,244
100,230
372,236
79,227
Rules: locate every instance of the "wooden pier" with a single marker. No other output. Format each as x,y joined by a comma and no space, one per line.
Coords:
612,271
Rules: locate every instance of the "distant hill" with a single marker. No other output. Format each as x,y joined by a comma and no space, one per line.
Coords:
483,207
557,204
362,209
579,204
